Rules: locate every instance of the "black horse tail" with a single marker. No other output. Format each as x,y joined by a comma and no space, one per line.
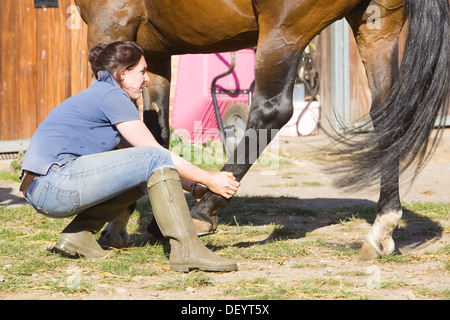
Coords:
405,121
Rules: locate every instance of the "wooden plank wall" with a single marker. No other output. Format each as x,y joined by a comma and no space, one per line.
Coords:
43,54
360,97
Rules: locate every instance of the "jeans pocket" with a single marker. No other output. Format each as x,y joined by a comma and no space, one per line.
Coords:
56,202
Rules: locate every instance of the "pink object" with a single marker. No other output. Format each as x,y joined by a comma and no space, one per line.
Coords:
303,122
193,114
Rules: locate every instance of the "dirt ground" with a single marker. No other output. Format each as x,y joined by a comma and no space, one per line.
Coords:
300,181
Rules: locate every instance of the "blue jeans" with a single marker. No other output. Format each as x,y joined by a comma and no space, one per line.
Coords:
92,179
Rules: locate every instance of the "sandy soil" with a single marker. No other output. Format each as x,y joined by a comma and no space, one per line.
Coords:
300,181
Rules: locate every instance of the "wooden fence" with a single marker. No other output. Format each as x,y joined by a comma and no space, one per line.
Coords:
43,54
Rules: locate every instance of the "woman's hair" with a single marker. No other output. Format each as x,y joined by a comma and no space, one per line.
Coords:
115,57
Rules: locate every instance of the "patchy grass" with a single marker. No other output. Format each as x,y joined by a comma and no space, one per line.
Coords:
12,175
277,260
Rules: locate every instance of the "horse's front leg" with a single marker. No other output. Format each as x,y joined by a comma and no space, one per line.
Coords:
115,233
271,108
116,212
249,149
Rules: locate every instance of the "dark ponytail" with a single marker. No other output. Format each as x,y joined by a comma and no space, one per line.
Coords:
115,57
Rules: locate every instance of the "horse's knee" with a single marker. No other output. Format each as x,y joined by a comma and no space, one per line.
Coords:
270,114
284,114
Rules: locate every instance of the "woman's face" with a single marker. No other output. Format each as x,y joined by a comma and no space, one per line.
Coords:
132,81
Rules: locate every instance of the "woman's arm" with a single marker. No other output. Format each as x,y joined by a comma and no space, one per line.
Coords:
136,133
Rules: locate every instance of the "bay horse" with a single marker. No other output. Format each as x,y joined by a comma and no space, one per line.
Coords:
406,59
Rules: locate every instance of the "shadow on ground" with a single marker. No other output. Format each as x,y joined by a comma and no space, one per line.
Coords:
296,217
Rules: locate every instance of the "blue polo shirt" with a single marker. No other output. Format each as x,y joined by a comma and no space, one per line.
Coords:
81,125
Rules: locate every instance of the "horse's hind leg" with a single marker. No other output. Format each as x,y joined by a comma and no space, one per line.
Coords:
377,31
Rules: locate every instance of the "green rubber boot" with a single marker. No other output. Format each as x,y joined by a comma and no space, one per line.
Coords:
77,239
174,219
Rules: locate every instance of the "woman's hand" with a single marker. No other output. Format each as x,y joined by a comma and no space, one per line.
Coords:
136,134
223,183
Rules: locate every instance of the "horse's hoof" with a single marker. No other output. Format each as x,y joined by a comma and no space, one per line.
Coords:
367,252
205,227
150,238
388,245
114,239
153,233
